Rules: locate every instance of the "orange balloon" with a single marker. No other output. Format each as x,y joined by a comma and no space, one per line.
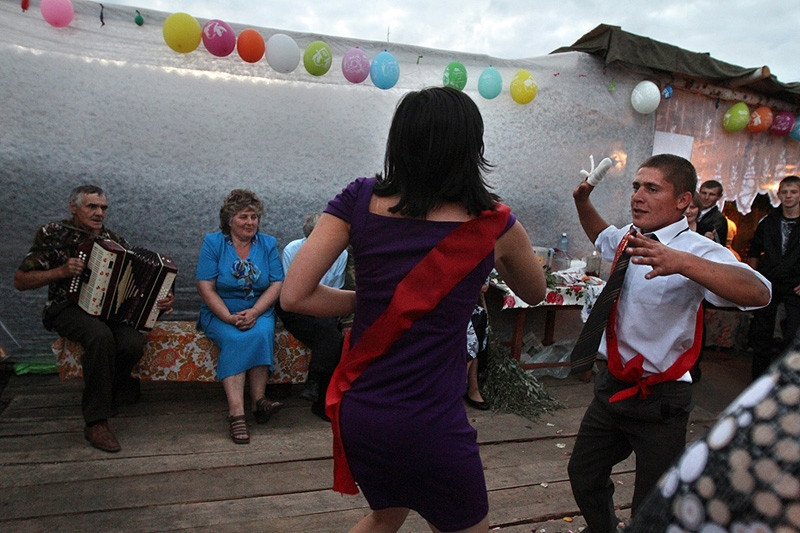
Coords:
250,46
760,120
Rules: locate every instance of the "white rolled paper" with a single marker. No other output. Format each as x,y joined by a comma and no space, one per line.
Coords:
597,174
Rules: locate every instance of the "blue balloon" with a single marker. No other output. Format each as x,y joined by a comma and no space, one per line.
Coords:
490,83
795,132
384,70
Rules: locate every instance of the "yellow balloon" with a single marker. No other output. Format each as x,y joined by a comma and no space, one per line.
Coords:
182,32
523,87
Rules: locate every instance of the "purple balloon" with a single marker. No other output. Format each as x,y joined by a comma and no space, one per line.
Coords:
355,65
218,38
782,123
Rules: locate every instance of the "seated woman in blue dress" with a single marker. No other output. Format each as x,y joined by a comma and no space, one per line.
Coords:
239,278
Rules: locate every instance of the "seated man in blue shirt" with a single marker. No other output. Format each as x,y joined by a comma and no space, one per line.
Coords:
320,334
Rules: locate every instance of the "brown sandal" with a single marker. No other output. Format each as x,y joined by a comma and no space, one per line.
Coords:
265,409
238,429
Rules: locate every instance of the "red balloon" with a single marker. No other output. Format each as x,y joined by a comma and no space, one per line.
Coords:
218,37
782,124
760,120
250,46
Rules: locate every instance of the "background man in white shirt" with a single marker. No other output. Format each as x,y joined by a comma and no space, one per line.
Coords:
320,334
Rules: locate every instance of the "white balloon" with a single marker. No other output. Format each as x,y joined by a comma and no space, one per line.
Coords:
645,97
283,54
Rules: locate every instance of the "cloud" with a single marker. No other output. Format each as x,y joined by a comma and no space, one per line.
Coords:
741,32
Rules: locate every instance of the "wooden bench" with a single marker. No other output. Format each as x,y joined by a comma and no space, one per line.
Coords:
176,351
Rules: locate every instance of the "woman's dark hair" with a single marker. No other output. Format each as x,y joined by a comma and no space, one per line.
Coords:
236,201
434,154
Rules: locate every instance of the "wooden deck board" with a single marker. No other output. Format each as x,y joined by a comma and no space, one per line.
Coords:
178,469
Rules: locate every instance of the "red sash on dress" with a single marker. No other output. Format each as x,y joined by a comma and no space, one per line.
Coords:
448,263
632,371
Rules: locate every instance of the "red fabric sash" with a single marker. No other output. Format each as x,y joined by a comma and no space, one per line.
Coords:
632,372
447,263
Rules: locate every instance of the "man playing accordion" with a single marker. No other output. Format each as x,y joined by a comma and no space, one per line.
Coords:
111,348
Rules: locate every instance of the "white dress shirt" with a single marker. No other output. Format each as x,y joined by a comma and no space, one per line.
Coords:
656,317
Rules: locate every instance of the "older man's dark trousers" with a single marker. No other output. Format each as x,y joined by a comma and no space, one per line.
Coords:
654,429
110,352
322,336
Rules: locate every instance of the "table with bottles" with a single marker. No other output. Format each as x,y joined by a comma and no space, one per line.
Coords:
579,294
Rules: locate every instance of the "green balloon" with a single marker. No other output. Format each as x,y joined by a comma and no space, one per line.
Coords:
736,117
139,19
455,76
317,58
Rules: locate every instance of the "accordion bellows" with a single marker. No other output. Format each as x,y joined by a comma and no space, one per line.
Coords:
121,285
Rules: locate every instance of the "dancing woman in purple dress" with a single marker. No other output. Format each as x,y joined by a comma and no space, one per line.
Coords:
423,238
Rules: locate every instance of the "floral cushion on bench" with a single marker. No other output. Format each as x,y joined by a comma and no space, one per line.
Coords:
176,351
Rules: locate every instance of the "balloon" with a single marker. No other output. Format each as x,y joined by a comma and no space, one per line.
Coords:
317,58
782,124
138,19
795,133
760,120
182,32
57,13
736,117
218,38
283,54
250,46
455,76
645,97
523,87
490,83
384,71
355,65
666,93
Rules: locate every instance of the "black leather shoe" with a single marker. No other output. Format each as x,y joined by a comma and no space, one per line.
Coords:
482,406
319,410
310,390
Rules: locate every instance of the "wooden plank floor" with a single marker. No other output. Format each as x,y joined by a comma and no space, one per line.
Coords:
178,470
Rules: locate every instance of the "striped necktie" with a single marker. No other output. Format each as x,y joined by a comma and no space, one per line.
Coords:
585,350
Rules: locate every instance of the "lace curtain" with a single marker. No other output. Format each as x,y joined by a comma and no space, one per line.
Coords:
745,163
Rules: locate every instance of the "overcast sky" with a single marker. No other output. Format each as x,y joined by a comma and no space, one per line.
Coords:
747,33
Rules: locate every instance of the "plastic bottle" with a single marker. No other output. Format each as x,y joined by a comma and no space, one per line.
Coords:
563,243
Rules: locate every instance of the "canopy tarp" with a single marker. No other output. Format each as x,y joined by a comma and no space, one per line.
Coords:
615,46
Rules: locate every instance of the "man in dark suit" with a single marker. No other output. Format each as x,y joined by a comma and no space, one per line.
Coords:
775,253
711,222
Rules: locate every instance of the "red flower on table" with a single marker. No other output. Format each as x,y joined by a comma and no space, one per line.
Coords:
554,298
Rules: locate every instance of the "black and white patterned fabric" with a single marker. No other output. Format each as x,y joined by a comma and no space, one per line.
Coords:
743,476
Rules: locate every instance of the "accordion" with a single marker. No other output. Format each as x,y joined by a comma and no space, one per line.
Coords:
121,285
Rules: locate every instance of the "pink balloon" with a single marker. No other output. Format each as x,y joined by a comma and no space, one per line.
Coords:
218,38
57,13
782,123
355,65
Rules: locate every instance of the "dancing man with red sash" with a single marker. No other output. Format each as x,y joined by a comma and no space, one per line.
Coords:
423,239
653,334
